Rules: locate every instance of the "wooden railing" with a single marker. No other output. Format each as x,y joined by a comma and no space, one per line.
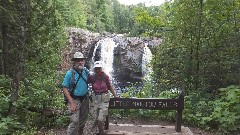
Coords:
152,104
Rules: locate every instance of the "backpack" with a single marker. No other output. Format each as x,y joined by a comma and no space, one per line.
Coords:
74,84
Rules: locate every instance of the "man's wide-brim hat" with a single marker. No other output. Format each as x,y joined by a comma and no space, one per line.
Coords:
78,55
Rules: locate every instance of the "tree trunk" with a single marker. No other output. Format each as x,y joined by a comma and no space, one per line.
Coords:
4,39
199,24
236,33
4,44
20,59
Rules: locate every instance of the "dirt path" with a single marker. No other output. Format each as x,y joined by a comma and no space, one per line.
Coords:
137,124
140,121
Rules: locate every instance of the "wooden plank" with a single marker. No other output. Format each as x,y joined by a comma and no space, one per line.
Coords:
145,103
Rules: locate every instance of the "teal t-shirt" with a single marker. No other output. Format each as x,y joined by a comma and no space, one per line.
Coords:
81,87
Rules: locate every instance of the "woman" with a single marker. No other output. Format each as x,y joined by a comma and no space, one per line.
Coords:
100,97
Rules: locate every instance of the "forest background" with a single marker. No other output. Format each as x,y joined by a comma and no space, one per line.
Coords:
200,55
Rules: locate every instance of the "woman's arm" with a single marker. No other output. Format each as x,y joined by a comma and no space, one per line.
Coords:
112,91
109,86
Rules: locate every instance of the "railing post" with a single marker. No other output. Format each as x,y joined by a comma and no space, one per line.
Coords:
179,121
106,123
179,112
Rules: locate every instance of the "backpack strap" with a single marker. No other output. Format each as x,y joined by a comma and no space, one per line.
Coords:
73,82
103,78
73,77
80,75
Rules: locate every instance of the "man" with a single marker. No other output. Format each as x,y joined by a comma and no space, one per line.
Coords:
75,89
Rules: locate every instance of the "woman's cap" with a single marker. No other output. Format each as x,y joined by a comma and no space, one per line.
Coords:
97,64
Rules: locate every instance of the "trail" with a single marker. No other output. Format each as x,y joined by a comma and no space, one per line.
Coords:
128,126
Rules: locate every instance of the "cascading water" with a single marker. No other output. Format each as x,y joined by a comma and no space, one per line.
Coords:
106,47
146,59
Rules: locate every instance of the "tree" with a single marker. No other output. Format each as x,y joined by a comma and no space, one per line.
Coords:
196,51
32,34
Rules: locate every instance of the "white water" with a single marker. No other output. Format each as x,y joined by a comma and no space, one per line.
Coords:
107,56
107,47
146,59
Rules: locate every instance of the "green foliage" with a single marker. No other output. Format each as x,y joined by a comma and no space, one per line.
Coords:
8,125
226,112
150,20
196,106
100,16
37,50
221,114
199,50
4,103
30,131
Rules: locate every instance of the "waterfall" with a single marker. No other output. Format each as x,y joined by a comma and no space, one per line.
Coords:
146,59
104,51
106,47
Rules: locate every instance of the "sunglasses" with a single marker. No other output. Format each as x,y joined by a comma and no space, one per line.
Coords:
79,59
97,68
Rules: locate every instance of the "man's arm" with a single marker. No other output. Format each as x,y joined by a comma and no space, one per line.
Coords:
73,105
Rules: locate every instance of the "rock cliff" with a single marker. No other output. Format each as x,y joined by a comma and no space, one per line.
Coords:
128,51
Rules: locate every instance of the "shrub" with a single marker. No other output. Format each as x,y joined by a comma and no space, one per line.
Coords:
226,112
